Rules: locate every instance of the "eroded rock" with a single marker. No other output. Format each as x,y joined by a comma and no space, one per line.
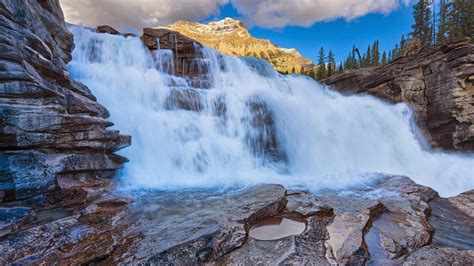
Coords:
263,139
383,223
440,256
13,218
107,29
464,202
438,84
60,236
51,126
204,228
453,227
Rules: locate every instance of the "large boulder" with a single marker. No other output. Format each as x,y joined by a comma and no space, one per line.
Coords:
51,127
107,29
185,50
187,55
438,84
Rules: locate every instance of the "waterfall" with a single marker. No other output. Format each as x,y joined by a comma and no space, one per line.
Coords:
251,125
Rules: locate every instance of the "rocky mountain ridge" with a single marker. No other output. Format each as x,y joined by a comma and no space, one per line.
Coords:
229,36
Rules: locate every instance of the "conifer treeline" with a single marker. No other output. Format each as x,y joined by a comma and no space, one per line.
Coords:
436,23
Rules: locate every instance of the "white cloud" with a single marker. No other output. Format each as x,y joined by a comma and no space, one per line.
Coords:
137,14
280,13
125,14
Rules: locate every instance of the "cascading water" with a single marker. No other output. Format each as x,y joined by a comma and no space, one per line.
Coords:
252,125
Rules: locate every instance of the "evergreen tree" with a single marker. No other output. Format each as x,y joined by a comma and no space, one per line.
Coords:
293,70
395,52
331,68
321,74
384,58
442,23
389,56
368,58
346,62
375,54
340,69
403,45
302,70
461,19
422,27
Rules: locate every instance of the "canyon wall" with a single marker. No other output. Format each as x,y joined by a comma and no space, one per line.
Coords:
53,132
438,84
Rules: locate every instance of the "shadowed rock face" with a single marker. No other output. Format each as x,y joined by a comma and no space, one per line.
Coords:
107,29
438,84
53,134
184,48
262,138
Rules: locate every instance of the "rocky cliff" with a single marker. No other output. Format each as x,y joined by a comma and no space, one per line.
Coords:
438,84
53,132
229,36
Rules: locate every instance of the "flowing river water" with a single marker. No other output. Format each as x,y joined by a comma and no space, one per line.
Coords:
251,125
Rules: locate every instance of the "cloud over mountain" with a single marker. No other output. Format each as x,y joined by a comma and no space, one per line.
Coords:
137,14
265,13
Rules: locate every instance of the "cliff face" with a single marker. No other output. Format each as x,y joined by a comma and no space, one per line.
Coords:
53,134
229,36
438,84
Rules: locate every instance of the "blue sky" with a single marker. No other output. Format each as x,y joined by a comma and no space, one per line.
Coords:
385,20
338,35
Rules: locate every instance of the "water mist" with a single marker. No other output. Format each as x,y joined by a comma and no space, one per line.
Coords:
252,125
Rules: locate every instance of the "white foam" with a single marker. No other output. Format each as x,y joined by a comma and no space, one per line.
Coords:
331,141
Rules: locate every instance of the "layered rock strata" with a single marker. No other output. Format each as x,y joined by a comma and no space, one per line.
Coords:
53,132
438,84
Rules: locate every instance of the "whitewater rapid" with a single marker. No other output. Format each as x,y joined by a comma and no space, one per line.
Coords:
329,140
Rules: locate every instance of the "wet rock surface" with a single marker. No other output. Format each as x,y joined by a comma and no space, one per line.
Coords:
107,29
464,202
453,227
438,84
188,58
386,222
51,127
187,54
440,256
66,235
263,138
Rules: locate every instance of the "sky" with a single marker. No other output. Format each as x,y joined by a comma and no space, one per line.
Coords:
305,25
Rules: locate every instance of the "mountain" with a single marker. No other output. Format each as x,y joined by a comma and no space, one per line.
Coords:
229,36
